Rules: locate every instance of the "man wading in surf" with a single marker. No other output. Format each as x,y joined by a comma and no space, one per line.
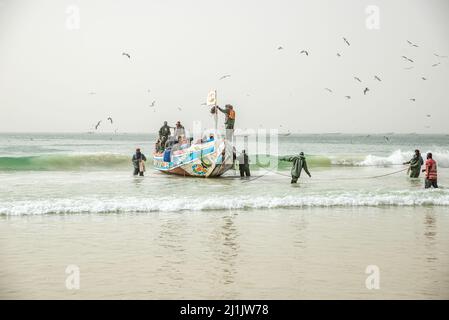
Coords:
138,163
299,163
431,172
415,164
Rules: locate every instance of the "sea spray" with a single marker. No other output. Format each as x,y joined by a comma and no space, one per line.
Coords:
164,204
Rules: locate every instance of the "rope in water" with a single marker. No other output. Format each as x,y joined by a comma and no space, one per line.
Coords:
342,178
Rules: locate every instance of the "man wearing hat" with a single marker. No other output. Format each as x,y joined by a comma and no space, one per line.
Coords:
299,163
139,163
229,120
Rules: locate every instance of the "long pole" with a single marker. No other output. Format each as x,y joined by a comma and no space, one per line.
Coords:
216,112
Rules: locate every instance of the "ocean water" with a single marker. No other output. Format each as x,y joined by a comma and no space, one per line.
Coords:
71,200
91,173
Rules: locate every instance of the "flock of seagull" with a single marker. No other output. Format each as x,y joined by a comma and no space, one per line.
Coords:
376,77
306,53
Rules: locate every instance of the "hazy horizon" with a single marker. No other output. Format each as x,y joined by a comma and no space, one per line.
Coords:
55,54
267,130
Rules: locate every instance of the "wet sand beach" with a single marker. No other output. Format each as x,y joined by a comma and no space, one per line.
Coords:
234,254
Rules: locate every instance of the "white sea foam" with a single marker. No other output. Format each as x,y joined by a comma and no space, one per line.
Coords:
131,204
399,157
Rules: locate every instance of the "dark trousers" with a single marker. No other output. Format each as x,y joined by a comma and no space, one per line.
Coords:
138,172
230,133
430,183
414,174
244,169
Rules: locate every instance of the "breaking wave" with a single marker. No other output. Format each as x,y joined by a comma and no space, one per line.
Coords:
134,205
397,157
64,162
105,161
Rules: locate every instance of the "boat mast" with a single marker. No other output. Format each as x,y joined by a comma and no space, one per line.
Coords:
216,112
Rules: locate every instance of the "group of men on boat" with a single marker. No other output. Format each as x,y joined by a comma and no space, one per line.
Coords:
166,140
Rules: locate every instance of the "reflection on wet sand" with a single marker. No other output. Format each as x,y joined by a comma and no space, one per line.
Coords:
430,233
229,249
170,248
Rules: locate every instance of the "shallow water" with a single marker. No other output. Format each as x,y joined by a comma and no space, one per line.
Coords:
70,199
72,173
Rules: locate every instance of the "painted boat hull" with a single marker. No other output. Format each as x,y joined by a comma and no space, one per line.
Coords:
210,159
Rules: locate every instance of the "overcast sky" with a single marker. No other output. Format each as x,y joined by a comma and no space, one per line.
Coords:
49,64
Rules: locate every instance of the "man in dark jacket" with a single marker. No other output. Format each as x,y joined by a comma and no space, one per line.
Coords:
244,164
139,163
299,163
164,133
415,164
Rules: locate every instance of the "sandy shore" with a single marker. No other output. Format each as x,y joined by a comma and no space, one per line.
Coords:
255,254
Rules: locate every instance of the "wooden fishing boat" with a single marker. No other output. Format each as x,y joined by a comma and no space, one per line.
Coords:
208,159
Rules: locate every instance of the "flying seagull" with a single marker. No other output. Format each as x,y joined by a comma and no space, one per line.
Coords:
407,58
365,90
358,79
179,108
413,99
377,78
437,55
386,138
97,125
328,89
225,76
428,115
436,64
348,97
126,54
152,104
408,68
305,52
92,93
412,44
338,54
204,104
110,119
346,40
423,78
280,48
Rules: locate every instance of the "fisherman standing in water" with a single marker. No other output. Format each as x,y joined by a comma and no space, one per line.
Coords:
244,164
229,120
299,163
431,172
415,164
139,163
